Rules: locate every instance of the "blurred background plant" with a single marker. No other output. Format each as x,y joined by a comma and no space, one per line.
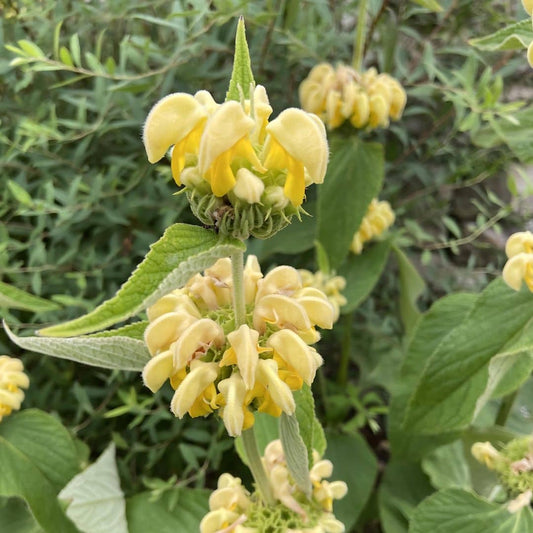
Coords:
80,204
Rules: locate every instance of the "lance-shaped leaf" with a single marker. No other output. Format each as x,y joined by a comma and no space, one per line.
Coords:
513,37
103,350
242,76
182,251
14,298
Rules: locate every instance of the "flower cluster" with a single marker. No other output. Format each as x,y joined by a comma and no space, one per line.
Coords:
379,217
233,508
243,174
519,267
12,380
329,284
528,6
368,100
514,466
215,365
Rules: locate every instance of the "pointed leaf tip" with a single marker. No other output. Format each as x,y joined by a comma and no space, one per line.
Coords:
242,75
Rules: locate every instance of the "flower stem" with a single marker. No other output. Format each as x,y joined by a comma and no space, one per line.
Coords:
237,271
505,408
256,465
359,43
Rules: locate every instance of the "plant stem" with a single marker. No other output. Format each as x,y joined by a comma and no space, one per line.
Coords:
359,43
505,408
237,271
256,465
342,373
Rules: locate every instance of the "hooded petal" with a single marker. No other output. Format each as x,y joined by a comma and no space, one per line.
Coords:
518,243
244,342
282,311
267,375
169,122
166,329
515,270
158,370
234,391
280,280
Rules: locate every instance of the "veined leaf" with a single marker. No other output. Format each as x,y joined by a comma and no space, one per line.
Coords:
242,75
513,37
182,251
14,298
432,5
116,352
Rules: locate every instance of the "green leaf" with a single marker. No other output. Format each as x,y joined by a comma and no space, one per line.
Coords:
14,298
182,251
356,172
96,502
310,428
65,57
133,331
402,488
435,325
362,272
432,5
115,352
241,77
176,510
447,467
295,452
513,37
15,517
344,450
411,287
454,510
456,372
19,193
75,49
31,49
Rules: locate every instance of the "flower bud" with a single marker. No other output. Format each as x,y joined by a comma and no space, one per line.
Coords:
248,186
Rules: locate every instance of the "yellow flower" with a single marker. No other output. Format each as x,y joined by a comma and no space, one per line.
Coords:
330,285
519,267
235,413
379,217
484,452
12,380
528,6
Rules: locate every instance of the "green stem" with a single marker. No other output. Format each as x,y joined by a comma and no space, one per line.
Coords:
505,408
359,43
239,304
342,374
256,465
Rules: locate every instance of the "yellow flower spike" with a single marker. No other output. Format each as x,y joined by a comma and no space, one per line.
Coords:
520,242
252,274
294,351
297,141
517,269
158,370
244,342
170,122
267,375
281,310
280,280
218,521
195,341
234,391
248,186
528,6
172,302
165,329
225,137
197,380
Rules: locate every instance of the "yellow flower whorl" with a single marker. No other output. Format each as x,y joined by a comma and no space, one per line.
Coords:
379,217
12,380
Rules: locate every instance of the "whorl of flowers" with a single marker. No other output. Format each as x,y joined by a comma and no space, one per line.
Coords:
329,284
514,466
243,174
519,267
233,508
528,6
379,217
214,365
12,380
368,100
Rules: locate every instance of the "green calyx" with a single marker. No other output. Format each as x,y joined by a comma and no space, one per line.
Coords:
515,468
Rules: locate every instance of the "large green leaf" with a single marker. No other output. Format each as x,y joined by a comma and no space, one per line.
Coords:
355,464
453,510
310,428
15,517
435,325
95,501
182,251
110,351
513,37
45,442
177,510
447,467
456,372
266,429
14,298
242,76
354,177
362,272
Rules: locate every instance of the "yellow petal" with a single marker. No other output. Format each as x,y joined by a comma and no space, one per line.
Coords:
216,521
197,380
172,302
280,280
262,110
530,54
207,101
158,370
244,342
514,270
267,375
360,110
379,111
170,121
252,274
528,6
166,329
282,311
248,186
520,242
234,390
303,136
12,399
197,338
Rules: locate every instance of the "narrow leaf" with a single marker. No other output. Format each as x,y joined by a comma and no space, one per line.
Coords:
14,298
115,352
242,76
432,5
19,193
182,251
513,37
